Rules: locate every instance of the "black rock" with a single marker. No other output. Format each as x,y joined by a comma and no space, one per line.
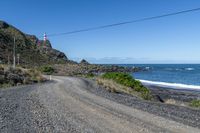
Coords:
14,78
3,24
84,62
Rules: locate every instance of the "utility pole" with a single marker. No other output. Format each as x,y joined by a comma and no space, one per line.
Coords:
8,56
8,60
14,54
18,56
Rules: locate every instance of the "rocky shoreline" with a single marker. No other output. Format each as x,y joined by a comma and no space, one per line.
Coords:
178,95
86,68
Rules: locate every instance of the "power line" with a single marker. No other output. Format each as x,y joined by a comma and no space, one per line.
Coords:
126,22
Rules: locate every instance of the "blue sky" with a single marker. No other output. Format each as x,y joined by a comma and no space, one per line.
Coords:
174,39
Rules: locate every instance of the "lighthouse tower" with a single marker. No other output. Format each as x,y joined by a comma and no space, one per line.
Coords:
45,37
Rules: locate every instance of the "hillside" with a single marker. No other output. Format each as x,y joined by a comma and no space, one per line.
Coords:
33,52
29,48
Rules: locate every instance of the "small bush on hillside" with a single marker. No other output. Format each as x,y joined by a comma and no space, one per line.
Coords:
128,81
61,62
5,85
47,70
195,103
89,75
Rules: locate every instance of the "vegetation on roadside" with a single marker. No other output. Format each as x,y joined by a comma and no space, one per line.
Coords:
47,70
87,75
115,81
35,75
195,103
5,85
18,76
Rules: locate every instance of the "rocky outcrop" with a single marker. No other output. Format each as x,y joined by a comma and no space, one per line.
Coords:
84,62
76,69
56,55
3,24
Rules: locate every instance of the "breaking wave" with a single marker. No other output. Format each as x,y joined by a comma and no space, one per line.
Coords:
189,69
170,85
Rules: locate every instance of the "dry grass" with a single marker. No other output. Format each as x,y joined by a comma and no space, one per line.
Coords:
114,87
175,102
171,101
18,76
2,66
35,75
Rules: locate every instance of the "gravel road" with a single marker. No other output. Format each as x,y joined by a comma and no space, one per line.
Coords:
76,105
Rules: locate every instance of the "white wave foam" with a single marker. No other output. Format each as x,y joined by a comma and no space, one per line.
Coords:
170,85
169,69
147,68
189,69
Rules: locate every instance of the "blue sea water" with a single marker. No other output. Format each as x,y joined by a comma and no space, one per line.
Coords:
174,75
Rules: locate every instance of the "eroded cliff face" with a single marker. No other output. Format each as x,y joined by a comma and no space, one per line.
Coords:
29,48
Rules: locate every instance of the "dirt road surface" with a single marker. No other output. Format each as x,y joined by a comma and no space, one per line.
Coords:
65,105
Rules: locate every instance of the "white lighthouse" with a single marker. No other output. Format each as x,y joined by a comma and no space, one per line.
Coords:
45,37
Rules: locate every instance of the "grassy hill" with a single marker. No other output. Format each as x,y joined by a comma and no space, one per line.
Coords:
31,50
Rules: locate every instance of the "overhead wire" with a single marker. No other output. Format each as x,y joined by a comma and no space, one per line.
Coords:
124,23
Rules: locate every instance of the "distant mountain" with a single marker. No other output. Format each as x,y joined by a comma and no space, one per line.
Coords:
29,48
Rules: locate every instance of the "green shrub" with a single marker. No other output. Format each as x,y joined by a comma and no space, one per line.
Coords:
128,81
89,75
5,85
195,103
47,70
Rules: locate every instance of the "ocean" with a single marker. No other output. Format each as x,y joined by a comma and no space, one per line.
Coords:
183,76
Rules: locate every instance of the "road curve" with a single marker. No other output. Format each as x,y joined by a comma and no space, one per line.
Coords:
65,105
